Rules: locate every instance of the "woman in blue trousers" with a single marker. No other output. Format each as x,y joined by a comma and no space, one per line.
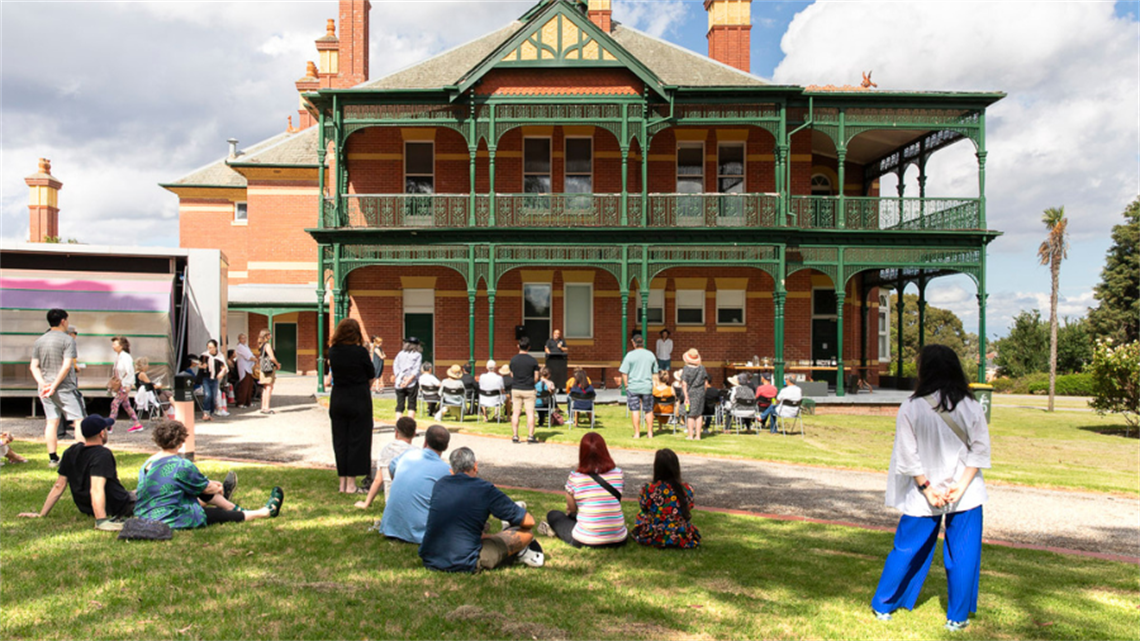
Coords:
942,443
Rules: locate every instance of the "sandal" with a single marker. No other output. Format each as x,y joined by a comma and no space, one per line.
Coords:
531,439
514,439
268,412
276,498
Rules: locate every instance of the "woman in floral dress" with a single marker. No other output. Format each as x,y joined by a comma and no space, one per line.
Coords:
665,521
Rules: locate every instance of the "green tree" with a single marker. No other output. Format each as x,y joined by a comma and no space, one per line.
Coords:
1115,371
1074,346
943,327
1053,250
1117,315
1026,349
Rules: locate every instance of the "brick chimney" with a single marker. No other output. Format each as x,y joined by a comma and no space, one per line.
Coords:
730,32
328,47
601,14
43,204
352,67
311,82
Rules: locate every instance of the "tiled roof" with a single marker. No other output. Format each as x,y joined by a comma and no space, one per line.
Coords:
678,66
282,149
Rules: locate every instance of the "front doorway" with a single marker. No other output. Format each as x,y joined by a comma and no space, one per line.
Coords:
824,326
285,346
422,326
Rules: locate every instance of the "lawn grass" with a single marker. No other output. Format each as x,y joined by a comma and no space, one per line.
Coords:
316,572
1070,450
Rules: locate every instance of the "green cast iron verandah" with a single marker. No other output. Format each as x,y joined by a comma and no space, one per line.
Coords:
635,236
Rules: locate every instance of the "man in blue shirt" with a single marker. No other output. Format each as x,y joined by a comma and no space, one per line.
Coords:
414,474
637,370
455,539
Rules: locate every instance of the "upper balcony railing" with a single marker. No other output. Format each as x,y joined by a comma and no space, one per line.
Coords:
661,211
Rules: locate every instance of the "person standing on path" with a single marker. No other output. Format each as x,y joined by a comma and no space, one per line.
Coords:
378,357
268,365
406,369
664,352
350,404
524,367
73,332
637,370
693,380
942,443
556,358
216,371
124,373
244,358
53,358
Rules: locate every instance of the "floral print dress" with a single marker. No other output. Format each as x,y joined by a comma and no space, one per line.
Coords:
660,523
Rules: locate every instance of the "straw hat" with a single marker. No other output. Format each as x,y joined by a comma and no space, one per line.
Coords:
455,371
505,370
692,357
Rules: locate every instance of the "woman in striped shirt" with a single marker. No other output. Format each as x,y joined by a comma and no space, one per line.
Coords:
593,516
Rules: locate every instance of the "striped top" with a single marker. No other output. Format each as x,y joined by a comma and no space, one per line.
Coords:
600,519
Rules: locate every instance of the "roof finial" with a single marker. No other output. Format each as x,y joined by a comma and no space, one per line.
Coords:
331,28
291,129
867,84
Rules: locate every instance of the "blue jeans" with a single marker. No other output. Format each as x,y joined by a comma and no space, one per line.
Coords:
664,364
769,415
209,394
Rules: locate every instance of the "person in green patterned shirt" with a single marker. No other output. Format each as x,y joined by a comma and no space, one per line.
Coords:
172,490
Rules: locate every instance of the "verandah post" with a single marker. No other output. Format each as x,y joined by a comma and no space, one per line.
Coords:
778,298
982,295
900,306
840,383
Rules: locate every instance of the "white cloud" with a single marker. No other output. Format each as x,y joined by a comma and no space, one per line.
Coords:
657,18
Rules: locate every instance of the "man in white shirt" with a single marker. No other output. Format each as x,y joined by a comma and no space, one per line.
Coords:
490,381
428,382
791,392
664,352
243,395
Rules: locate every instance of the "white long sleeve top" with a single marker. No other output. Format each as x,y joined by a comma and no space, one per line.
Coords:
125,370
925,444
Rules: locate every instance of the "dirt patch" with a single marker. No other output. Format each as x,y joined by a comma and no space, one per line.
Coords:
509,628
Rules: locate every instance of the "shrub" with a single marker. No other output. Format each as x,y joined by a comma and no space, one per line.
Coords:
1003,385
1067,385
1115,371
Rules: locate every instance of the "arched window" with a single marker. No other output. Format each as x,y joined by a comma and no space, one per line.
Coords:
820,185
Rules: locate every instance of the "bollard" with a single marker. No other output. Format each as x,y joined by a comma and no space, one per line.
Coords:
985,395
184,410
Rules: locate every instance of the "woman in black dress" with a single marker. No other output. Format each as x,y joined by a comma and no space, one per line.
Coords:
350,404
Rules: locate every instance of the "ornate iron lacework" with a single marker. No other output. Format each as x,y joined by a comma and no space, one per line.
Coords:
661,258
557,112
513,257
406,112
909,260
396,254
911,116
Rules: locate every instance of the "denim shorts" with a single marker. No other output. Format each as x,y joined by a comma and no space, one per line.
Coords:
639,402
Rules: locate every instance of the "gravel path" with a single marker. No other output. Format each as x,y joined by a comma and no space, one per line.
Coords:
299,434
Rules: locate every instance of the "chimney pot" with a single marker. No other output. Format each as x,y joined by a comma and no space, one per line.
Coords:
600,13
330,29
43,203
233,147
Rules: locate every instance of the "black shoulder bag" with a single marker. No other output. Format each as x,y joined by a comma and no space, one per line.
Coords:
606,486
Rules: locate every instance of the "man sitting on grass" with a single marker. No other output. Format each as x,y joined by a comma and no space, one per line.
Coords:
455,539
89,468
405,432
414,475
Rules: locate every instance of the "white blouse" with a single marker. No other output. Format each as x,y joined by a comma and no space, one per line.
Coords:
125,370
925,444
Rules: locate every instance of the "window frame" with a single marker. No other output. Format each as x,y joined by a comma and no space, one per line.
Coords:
550,163
884,328
244,220
566,163
539,349
830,184
743,146
677,165
660,294
679,307
407,174
566,333
743,306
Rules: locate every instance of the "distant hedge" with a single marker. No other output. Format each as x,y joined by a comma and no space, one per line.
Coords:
1038,383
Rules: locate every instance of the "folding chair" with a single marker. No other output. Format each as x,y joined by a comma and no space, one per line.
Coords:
794,419
660,402
429,394
148,404
577,397
713,411
546,398
742,406
471,395
762,405
491,399
449,400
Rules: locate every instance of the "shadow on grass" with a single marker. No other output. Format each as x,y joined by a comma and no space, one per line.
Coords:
1112,430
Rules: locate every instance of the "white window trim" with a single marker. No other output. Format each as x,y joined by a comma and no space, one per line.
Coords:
241,222
744,165
659,293
550,160
536,350
679,307
565,320
677,165
884,328
407,174
830,184
743,307
566,162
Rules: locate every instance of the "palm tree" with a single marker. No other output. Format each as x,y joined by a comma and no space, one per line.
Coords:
1052,251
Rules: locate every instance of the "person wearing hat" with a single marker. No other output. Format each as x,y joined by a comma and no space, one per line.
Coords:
406,370
89,469
693,379
451,389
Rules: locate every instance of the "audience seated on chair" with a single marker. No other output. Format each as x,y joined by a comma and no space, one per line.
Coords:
791,392
664,398
490,381
546,399
414,474
452,392
429,389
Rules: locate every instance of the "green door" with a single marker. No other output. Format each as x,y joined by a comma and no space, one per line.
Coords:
285,346
422,326
823,333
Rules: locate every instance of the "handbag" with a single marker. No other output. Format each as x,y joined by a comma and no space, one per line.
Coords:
114,385
556,418
136,529
266,365
606,486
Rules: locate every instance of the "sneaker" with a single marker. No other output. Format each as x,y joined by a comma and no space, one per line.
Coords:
532,556
531,439
544,529
375,527
135,428
882,616
223,413
956,626
276,498
521,504
108,525
54,463
438,416
229,485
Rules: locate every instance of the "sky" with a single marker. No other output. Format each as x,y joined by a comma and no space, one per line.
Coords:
124,95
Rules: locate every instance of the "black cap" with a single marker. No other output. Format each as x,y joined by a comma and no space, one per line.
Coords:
413,340
94,424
